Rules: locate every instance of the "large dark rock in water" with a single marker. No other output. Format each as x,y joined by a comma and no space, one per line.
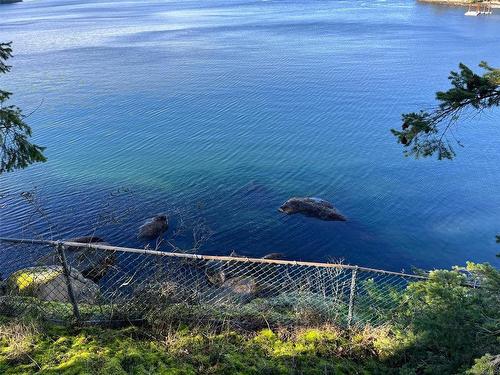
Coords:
312,207
153,228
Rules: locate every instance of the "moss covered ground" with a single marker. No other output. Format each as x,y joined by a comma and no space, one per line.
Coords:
28,348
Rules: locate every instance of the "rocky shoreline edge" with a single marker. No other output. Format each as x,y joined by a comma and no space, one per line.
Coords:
461,3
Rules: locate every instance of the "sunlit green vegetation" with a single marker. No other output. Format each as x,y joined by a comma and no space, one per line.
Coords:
443,326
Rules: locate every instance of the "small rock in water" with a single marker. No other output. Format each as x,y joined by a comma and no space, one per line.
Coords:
93,263
312,207
154,227
275,256
215,272
234,254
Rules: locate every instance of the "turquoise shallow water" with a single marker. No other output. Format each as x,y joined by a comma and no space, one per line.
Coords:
224,109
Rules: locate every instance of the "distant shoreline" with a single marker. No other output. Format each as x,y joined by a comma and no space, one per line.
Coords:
462,3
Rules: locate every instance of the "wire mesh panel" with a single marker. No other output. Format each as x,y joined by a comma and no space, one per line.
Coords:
99,283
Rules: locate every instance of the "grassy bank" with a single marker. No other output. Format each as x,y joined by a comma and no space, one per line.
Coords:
28,348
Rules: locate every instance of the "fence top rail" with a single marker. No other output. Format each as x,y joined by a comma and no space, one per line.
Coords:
205,257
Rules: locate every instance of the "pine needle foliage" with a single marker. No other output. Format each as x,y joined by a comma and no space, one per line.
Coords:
16,150
430,133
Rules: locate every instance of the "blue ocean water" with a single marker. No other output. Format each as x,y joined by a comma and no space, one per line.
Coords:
223,109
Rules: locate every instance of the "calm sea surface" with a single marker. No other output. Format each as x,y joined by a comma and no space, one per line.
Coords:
223,109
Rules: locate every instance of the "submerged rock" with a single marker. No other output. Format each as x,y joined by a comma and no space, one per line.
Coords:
48,283
253,189
312,207
153,228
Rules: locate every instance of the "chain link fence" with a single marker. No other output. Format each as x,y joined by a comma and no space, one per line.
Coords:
96,283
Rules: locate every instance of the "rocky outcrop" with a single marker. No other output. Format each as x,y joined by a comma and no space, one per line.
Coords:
153,228
244,286
48,283
312,207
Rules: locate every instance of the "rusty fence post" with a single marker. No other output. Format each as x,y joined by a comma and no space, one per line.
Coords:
352,295
67,276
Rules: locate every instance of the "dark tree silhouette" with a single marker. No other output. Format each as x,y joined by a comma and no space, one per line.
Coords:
16,150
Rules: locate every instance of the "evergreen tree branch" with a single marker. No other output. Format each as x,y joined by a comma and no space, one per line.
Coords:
426,133
16,150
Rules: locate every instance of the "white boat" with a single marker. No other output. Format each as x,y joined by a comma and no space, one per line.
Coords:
472,13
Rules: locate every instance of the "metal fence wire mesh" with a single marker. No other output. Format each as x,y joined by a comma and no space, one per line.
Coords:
66,281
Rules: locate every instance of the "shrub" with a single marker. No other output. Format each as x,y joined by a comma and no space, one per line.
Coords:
447,323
